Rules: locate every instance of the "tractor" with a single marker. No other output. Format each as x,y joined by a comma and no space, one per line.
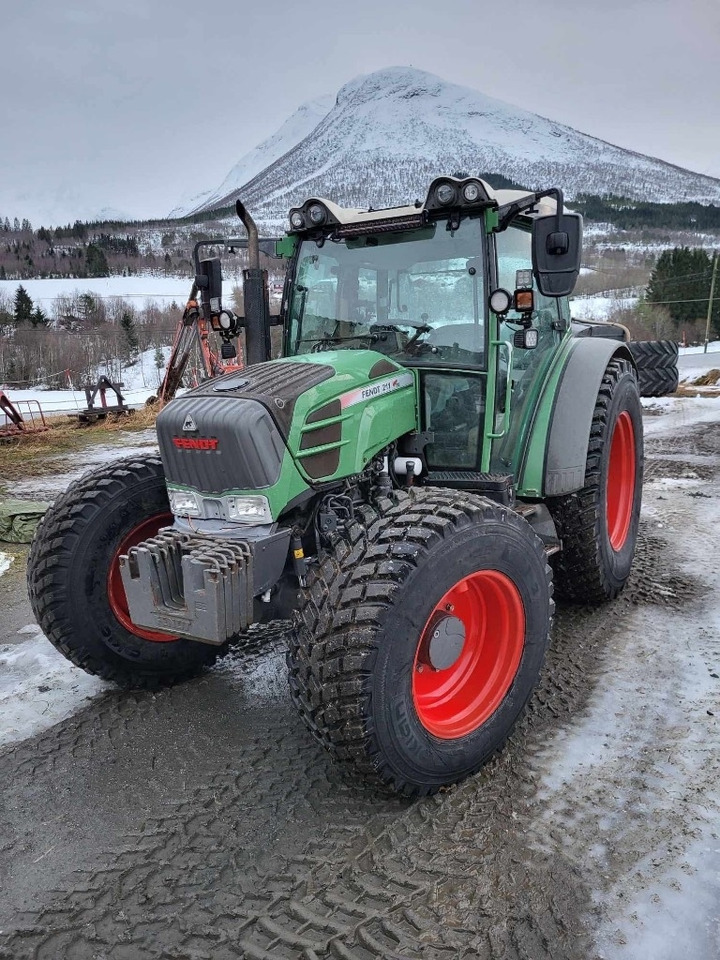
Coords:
433,446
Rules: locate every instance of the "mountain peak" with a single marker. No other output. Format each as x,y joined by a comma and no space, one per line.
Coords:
388,134
404,82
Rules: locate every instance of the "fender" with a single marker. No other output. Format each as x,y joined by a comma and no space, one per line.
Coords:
556,453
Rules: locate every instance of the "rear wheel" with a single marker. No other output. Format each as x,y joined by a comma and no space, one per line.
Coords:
657,366
598,525
421,638
74,581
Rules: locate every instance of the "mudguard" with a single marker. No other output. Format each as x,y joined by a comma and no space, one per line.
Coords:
566,426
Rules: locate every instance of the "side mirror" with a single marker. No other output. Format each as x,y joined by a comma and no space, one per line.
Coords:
556,252
209,281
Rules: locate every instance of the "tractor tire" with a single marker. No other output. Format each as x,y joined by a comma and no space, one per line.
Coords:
598,525
421,637
657,366
74,581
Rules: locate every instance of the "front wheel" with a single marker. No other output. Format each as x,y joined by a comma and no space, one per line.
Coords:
421,638
75,586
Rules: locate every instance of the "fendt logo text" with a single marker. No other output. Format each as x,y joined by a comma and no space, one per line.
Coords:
196,443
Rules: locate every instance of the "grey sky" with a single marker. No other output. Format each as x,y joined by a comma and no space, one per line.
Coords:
130,105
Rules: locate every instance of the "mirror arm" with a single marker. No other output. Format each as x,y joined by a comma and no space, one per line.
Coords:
508,213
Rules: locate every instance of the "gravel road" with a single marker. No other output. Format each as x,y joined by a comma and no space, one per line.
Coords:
203,821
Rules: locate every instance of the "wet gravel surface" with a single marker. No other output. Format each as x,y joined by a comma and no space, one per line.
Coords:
204,822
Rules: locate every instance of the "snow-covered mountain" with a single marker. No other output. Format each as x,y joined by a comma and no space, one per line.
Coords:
390,132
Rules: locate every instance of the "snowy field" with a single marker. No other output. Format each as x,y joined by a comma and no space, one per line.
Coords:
599,307
141,291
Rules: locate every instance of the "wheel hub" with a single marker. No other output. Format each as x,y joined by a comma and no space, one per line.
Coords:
446,641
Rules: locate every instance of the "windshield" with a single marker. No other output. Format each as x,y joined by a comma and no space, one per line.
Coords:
414,295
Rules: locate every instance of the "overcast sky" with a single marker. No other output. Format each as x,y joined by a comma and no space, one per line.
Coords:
132,104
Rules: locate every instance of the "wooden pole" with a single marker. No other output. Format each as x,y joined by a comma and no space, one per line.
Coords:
710,302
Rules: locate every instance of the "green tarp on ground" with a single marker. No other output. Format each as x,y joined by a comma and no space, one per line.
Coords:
19,519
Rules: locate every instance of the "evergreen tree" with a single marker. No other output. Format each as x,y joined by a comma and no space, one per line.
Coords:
23,305
130,337
159,360
38,318
681,282
96,262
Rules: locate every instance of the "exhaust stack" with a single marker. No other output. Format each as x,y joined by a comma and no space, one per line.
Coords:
255,295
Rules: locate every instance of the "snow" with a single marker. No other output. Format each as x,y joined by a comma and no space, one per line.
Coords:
141,380
713,347
389,133
633,761
681,413
5,562
599,307
39,687
140,291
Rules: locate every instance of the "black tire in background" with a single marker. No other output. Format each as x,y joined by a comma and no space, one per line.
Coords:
436,567
74,585
657,366
598,525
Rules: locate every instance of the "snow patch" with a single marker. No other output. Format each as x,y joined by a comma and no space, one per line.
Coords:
39,687
5,562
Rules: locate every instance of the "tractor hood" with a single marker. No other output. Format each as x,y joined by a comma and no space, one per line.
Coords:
281,427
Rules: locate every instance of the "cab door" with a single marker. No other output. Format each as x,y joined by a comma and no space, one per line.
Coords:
520,372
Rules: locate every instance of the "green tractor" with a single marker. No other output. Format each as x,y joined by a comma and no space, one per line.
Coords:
433,439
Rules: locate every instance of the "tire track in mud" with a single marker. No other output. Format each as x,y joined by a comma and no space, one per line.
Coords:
237,838
274,855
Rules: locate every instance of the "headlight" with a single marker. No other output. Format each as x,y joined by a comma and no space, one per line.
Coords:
445,194
248,509
184,503
500,301
317,214
297,221
471,192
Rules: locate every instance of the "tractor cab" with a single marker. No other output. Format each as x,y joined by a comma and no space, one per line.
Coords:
445,287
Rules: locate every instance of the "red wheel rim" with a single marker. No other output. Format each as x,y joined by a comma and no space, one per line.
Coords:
486,613
620,493
116,591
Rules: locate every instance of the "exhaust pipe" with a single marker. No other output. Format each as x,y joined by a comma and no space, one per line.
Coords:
252,232
255,295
